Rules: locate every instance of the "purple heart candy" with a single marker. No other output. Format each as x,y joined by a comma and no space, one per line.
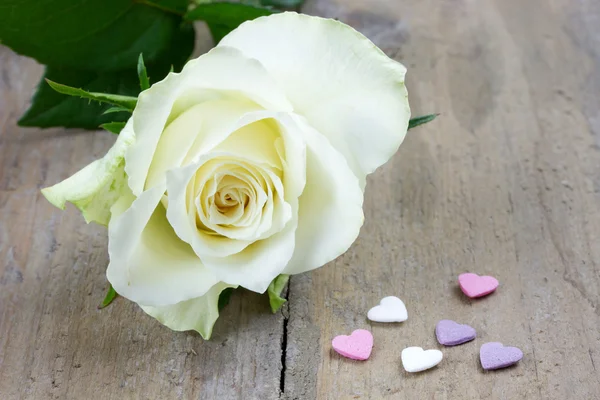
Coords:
450,333
494,355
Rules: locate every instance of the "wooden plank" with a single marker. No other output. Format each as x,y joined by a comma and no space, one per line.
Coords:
54,342
505,182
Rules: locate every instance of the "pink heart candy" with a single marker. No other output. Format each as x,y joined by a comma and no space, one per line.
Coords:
474,285
357,346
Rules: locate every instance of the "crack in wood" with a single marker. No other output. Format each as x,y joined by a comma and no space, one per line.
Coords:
284,340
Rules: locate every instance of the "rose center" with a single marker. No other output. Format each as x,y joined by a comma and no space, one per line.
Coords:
229,199
230,195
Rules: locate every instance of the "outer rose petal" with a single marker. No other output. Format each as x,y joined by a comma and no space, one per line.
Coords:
221,71
149,264
95,188
199,314
346,87
330,210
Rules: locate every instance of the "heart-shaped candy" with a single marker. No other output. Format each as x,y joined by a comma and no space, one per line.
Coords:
474,285
494,355
357,346
390,309
450,333
415,359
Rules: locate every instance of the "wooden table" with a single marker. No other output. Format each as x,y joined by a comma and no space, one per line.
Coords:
505,182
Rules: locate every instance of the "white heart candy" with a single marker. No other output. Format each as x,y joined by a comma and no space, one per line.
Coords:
415,359
390,309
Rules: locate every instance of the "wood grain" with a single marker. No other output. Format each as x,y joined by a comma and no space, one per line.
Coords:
506,182
54,342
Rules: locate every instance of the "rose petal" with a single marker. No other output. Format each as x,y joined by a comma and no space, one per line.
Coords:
258,264
255,140
149,264
195,131
292,151
183,220
95,188
330,210
254,266
221,71
345,86
199,314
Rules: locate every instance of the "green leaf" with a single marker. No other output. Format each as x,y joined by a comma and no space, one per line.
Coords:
283,3
50,108
115,110
173,6
106,35
224,297
110,296
142,73
126,102
414,122
274,292
113,127
223,17
176,55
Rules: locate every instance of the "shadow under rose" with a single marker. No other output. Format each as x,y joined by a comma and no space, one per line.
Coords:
246,311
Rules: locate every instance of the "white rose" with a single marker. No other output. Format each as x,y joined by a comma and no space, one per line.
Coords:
248,164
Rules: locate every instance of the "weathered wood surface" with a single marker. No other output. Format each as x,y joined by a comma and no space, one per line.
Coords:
506,182
54,342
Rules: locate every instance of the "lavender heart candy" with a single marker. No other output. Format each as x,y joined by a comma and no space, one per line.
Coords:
494,355
450,333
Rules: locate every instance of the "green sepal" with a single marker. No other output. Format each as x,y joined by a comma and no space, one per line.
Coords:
142,73
50,108
423,119
126,102
274,292
115,110
110,296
